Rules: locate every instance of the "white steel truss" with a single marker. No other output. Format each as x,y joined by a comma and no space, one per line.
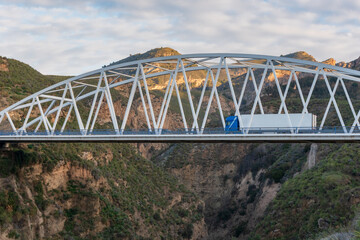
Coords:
70,110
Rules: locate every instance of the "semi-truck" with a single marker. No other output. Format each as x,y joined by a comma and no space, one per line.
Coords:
271,122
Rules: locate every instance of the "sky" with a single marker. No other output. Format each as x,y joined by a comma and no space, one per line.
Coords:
72,37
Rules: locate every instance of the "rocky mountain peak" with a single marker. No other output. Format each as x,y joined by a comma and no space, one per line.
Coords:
153,53
162,52
329,61
302,55
355,64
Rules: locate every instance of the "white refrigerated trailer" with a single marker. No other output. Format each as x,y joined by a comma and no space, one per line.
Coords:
272,122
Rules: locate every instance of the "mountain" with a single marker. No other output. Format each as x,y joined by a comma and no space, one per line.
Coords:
159,83
302,55
330,61
153,53
355,64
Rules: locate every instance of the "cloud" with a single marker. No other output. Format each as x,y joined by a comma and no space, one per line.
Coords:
72,37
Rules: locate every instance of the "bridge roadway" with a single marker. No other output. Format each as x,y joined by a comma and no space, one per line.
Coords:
330,135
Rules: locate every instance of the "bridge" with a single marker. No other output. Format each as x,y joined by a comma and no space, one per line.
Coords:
187,98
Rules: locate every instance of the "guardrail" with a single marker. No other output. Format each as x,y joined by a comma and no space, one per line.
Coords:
182,131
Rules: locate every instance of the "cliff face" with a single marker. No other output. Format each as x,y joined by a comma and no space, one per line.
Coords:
236,181
92,192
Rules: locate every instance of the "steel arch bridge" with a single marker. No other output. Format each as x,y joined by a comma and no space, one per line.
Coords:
108,104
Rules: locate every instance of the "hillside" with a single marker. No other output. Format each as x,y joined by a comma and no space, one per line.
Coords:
91,191
325,198
18,80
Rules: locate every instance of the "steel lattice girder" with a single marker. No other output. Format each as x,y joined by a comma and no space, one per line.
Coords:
96,84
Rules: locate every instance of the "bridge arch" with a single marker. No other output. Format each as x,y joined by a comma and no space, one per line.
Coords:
48,111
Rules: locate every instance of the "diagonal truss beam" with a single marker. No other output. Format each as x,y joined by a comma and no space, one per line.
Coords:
257,97
332,100
214,89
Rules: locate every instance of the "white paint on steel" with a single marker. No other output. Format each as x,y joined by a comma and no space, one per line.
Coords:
55,97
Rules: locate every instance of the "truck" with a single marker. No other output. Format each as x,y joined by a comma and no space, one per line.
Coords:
272,122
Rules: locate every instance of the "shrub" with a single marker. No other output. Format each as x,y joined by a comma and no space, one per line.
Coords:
277,172
240,229
157,216
187,232
13,234
183,212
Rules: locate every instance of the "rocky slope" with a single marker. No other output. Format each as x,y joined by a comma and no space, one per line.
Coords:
355,64
323,199
236,181
92,191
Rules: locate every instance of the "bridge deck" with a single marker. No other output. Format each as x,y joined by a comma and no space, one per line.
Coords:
204,138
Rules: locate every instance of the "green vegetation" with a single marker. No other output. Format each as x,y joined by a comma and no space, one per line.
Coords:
282,161
329,192
22,80
135,187
11,209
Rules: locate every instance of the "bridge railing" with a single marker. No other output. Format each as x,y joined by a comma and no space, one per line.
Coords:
183,131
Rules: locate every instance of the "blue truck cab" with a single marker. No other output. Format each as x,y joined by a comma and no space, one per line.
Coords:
232,123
